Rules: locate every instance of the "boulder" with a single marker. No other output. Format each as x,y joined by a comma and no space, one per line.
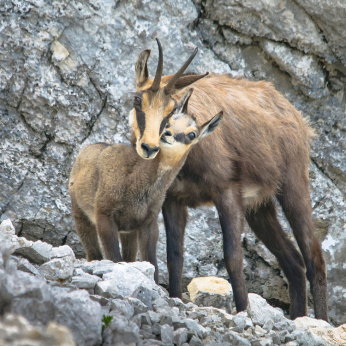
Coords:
211,291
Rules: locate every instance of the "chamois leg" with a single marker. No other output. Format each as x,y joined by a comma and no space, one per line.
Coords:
109,235
86,231
296,204
147,239
129,246
263,221
231,214
175,218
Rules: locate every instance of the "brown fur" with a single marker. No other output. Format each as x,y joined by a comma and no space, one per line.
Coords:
259,153
114,192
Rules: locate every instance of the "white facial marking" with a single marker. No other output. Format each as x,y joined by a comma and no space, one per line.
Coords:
131,117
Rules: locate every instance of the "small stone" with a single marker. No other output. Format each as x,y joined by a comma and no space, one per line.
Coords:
85,281
195,341
138,305
259,332
57,269
179,336
156,329
25,266
167,334
38,252
260,311
262,342
268,325
64,252
121,307
275,337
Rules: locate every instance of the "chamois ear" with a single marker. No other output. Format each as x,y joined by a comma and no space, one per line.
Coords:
208,127
182,108
185,81
141,69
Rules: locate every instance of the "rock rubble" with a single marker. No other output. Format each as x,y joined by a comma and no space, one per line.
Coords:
44,303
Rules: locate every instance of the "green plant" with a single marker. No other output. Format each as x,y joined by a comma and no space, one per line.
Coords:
106,320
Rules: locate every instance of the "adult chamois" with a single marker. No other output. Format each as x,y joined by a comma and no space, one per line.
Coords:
113,190
260,153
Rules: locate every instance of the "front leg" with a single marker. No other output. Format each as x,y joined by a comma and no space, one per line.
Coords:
175,218
109,235
147,240
129,246
229,204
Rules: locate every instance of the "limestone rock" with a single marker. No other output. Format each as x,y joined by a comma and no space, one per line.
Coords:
38,252
211,291
308,322
81,315
16,330
85,280
57,269
260,311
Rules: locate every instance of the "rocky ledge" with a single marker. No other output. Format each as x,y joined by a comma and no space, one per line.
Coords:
47,296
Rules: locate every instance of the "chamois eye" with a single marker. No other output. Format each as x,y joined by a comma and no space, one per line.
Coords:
168,133
137,101
191,136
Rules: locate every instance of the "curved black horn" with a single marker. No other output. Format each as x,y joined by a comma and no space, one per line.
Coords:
157,80
169,87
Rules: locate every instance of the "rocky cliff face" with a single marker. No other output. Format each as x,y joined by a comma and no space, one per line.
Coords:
65,71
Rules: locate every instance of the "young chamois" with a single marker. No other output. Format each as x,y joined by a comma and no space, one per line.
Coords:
114,191
262,155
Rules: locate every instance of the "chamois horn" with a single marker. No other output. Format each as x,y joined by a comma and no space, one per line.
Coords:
169,87
157,80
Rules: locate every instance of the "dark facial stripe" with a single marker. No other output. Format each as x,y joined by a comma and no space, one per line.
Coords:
182,138
140,116
163,124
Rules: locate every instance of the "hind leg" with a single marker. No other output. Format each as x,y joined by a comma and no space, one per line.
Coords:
129,246
296,204
263,221
86,231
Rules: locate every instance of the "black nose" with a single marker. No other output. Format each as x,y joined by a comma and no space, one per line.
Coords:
149,151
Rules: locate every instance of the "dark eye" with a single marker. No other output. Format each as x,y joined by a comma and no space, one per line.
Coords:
168,133
137,101
191,136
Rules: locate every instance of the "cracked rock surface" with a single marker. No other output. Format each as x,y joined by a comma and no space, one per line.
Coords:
38,309
66,68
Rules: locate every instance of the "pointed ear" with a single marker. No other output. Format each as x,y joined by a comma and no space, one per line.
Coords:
182,108
184,81
208,127
141,69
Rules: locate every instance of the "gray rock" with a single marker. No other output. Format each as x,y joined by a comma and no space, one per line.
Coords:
124,281
64,252
16,330
38,252
25,266
195,341
57,269
85,281
260,311
81,315
167,334
179,336
122,307
121,332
